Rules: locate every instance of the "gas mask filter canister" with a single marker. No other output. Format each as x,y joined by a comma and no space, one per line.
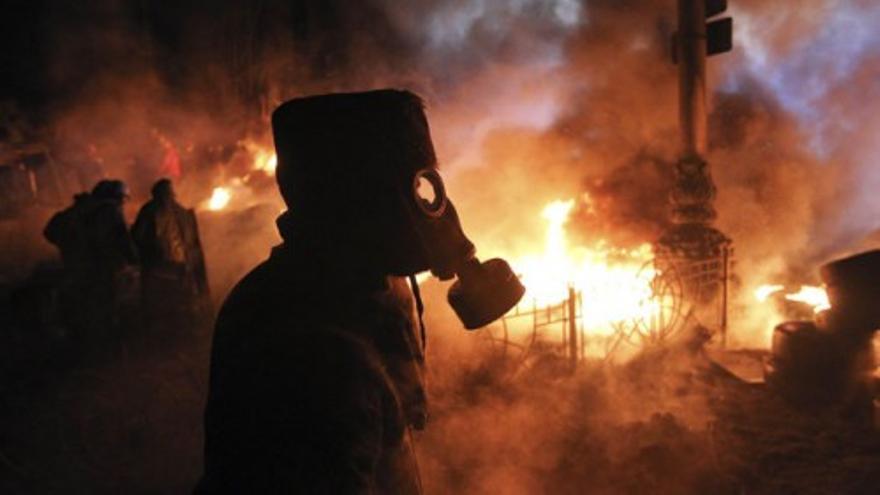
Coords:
484,292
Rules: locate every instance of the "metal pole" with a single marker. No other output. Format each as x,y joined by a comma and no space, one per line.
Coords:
692,76
572,328
580,305
724,295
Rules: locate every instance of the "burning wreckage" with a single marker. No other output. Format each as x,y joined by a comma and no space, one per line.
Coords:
601,301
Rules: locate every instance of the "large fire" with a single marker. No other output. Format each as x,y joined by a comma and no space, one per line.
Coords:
614,284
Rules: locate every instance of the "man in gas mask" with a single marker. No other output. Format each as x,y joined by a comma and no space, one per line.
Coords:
317,361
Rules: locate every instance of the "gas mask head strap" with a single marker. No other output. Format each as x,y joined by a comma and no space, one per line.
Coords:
420,309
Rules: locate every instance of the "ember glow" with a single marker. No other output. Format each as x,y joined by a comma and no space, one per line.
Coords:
763,292
263,157
614,284
239,191
811,295
219,199
265,160
814,296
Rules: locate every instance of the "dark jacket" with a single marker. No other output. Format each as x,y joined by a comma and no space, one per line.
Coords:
68,232
92,236
316,376
110,244
167,239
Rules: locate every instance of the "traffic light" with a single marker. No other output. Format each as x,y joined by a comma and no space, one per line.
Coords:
719,32
715,7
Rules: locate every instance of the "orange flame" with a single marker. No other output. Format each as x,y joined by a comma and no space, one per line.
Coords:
220,198
816,297
811,295
264,158
612,283
764,292
265,161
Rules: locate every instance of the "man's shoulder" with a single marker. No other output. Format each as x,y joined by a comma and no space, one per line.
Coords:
273,311
148,208
255,285
266,290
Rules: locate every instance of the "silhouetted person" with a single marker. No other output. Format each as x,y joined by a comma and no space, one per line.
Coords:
68,231
173,280
111,247
112,257
97,252
317,360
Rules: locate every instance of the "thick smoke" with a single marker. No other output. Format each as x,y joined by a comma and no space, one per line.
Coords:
530,101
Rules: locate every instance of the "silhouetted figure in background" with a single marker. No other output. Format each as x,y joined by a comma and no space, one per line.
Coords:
98,257
111,246
173,280
113,258
68,231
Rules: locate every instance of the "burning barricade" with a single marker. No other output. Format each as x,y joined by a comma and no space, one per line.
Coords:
594,300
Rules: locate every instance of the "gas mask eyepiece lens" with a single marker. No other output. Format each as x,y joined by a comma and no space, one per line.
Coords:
430,194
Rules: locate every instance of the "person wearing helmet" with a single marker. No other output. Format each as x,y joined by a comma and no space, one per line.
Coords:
97,251
111,243
113,260
318,356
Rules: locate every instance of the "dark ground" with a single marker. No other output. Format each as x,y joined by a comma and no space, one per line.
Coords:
123,422
128,420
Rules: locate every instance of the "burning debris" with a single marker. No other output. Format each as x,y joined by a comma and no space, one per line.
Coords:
829,363
602,296
644,291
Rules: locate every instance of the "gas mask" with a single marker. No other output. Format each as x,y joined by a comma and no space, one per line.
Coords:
484,291
360,169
